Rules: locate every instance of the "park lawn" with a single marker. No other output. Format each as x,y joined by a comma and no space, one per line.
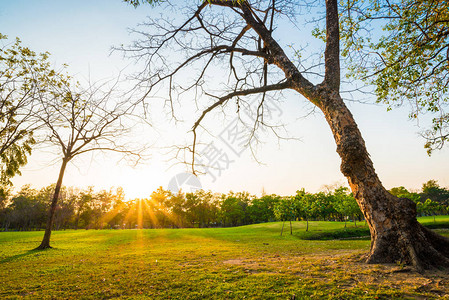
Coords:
215,263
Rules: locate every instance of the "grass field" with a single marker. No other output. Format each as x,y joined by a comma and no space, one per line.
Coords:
220,263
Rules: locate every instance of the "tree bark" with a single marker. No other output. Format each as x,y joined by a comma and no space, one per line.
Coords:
45,244
396,234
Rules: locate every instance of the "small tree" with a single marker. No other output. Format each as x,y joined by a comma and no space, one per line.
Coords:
177,204
115,216
232,209
346,204
429,207
262,209
286,210
305,206
80,121
432,190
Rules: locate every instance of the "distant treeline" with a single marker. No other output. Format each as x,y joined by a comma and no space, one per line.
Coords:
86,209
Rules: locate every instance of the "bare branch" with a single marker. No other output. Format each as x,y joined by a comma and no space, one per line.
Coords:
223,99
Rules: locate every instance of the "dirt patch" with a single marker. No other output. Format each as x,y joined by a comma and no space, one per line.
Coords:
250,266
237,262
347,270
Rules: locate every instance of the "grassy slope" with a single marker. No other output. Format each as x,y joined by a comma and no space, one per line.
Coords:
250,261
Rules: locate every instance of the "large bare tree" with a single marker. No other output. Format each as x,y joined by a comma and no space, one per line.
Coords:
238,36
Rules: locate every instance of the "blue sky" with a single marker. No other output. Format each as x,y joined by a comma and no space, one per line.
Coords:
81,34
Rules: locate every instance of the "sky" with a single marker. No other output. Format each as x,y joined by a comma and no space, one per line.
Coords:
81,34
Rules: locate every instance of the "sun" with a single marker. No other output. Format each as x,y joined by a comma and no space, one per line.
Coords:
139,183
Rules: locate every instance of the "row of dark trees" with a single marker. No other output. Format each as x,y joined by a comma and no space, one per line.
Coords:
84,208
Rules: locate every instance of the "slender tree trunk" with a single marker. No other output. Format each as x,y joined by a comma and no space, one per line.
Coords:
396,235
291,230
307,224
345,222
51,214
282,230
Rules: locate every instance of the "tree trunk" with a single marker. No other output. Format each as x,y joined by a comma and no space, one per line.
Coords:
291,230
396,235
282,230
51,214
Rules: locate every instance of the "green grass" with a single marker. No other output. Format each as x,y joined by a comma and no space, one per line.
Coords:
252,262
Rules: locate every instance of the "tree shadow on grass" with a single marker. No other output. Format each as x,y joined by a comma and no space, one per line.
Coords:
19,256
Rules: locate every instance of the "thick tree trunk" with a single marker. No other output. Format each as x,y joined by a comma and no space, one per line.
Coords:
396,235
45,244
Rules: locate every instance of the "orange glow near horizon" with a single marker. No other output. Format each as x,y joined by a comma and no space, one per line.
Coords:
151,213
139,214
139,209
